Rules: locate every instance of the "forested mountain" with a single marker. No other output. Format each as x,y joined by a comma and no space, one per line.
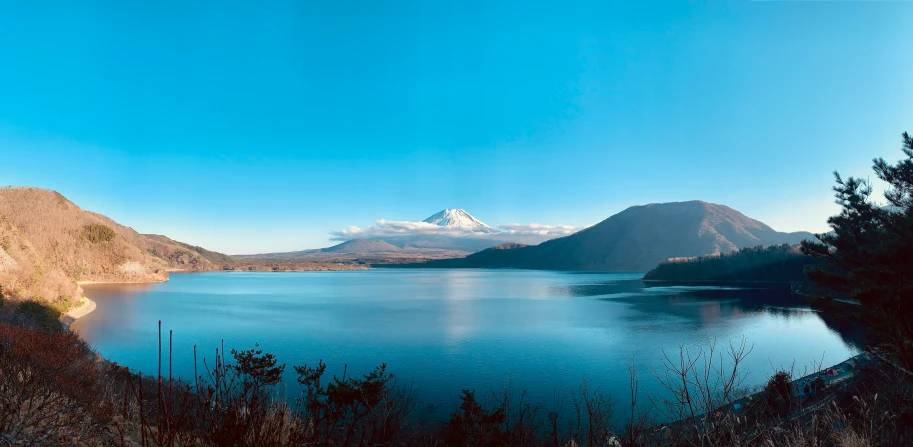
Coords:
637,239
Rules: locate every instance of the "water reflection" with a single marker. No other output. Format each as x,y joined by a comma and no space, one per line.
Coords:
598,288
850,331
708,304
454,329
117,304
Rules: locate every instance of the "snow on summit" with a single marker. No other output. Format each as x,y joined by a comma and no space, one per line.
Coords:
452,224
455,217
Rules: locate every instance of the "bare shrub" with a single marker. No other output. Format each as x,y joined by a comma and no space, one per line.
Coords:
51,392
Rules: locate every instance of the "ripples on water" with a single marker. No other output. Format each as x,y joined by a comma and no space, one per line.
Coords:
446,330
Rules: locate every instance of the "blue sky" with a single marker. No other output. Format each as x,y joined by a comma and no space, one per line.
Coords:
261,128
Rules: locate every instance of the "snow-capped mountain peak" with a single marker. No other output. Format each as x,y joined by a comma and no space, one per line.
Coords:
455,217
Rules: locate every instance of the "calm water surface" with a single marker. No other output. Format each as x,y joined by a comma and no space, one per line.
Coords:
452,329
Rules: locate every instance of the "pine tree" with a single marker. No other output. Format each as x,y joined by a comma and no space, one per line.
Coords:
869,254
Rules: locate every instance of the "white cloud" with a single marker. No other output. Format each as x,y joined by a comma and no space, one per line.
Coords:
526,233
535,229
388,228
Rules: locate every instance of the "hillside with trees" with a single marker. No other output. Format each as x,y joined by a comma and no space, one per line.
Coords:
48,243
774,263
184,256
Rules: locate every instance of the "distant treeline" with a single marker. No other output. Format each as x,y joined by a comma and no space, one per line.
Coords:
775,263
292,266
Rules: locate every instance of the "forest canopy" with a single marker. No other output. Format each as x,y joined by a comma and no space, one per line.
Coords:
774,263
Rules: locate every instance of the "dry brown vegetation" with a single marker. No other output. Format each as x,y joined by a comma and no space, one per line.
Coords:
51,390
186,256
47,244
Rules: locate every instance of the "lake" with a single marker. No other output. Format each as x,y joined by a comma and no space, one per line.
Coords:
446,330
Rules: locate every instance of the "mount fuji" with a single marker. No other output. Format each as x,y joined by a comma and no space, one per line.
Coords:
469,234
460,234
458,218
636,240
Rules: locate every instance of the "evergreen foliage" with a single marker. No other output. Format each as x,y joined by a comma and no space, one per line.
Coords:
869,254
776,263
96,233
347,409
44,317
474,425
778,392
257,370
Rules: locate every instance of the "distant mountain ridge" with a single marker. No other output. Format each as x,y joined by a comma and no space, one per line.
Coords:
465,244
461,234
361,246
368,251
638,239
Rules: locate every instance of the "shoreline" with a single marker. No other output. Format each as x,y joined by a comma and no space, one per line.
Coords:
86,305
844,370
84,283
